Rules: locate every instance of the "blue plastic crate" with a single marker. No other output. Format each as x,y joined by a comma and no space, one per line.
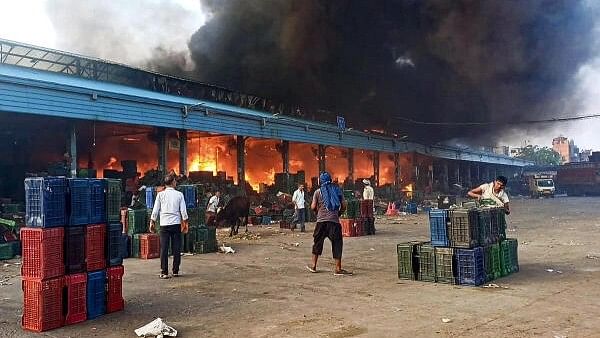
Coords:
411,208
266,220
114,244
470,265
438,226
125,246
45,202
96,294
150,197
189,194
79,201
97,201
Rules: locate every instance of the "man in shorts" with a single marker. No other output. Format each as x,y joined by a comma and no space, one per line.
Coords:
328,202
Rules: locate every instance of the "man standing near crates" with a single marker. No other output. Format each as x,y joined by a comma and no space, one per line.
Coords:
170,206
493,191
299,212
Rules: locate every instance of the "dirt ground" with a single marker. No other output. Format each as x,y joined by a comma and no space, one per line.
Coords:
263,290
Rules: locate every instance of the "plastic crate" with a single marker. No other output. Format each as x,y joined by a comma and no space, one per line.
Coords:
150,197
366,208
125,246
462,229
113,200
114,240
42,304
76,302
43,255
189,195
75,250
149,246
114,289
514,254
496,260
407,260
7,251
438,226
359,227
426,258
137,221
135,246
79,206
97,201
488,263
501,214
96,294
266,220
45,202
208,235
411,208
348,229
445,263
189,239
484,225
506,259
95,247
469,263
494,226
193,216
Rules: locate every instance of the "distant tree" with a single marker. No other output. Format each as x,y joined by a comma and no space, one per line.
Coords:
540,155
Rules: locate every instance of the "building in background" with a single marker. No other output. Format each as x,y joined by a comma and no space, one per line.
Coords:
584,155
562,146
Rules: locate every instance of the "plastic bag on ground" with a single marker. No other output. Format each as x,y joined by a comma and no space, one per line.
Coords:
156,328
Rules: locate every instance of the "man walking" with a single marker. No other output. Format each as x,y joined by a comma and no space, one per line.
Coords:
211,208
299,214
170,205
329,203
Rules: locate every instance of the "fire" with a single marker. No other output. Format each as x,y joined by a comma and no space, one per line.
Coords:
111,162
408,190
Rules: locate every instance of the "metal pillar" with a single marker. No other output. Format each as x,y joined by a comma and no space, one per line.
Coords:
457,173
321,158
376,168
478,176
73,150
183,152
397,170
241,161
162,150
285,156
468,175
351,166
445,176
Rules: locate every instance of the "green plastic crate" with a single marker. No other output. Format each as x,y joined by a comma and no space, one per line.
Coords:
352,209
113,200
426,258
193,216
445,265
137,221
488,263
514,253
505,258
11,208
6,251
501,224
135,246
496,260
148,217
207,235
407,260
484,224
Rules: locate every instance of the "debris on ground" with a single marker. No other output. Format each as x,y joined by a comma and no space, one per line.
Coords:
552,270
249,236
446,320
156,328
495,286
226,249
593,256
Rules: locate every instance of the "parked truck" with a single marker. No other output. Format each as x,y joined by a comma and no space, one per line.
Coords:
579,179
541,185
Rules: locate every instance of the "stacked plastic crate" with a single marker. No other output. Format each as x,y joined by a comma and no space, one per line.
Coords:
467,247
62,251
352,220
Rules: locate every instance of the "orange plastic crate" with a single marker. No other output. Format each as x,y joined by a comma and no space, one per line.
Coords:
95,247
42,304
149,246
348,229
43,252
76,298
114,295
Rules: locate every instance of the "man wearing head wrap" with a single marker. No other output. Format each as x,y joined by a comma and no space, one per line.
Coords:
328,202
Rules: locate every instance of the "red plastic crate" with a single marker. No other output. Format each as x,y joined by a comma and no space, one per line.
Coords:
76,298
114,294
42,304
149,246
95,247
348,229
43,252
359,227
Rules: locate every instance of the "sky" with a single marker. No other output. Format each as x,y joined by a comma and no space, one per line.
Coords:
135,29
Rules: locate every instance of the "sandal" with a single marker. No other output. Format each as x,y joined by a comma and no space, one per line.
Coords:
343,273
311,269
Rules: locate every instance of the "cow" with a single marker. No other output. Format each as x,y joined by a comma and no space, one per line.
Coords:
234,214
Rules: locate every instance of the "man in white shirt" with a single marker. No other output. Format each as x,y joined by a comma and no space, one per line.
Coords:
493,191
300,212
211,208
170,206
368,193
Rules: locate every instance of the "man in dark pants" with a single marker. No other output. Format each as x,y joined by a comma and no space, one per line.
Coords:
329,203
170,205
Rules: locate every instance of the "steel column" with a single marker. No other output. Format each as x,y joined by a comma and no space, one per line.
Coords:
183,152
162,150
321,158
73,150
285,156
241,161
376,168
397,170
351,166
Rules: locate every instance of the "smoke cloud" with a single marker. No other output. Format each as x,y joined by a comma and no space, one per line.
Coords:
434,60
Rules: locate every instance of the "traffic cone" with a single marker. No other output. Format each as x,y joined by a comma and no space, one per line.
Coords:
389,209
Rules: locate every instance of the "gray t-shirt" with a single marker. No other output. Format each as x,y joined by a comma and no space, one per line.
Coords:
324,215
